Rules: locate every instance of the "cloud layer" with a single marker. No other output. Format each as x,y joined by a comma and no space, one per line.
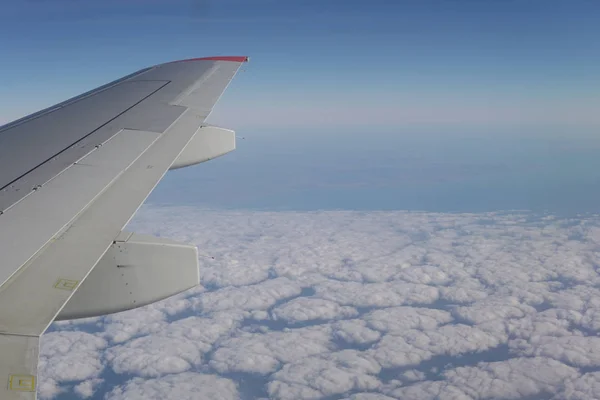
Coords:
352,305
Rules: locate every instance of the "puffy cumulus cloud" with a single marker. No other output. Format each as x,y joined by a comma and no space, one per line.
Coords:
512,379
551,322
578,351
426,274
494,308
308,309
355,332
255,297
70,356
325,375
185,386
431,390
87,388
154,356
205,331
356,305
376,294
179,303
463,291
48,388
174,350
126,325
578,298
368,396
398,320
262,353
413,375
414,346
585,387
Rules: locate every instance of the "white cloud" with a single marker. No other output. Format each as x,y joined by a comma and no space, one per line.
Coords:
585,387
263,353
185,386
352,305
552,322
413,375
325,375
87,388
386,294
48,388
578,351
259,296
579,298
205,331
70,356
308,309
494,308
398,320
368,396
431,390
512,379
355,332
414,346
154,356
126,325
174,350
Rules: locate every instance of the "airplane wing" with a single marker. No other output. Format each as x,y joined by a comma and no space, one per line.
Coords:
71,177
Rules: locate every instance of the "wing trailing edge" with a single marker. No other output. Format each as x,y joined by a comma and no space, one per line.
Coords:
135,271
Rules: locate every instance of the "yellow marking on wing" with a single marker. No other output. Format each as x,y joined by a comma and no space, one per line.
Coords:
66,284
21,383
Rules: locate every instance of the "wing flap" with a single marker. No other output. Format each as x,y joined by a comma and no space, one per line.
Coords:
28,225
42,287
139,270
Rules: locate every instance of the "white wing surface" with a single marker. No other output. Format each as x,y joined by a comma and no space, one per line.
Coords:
71,177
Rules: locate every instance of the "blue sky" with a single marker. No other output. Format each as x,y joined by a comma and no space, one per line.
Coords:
412,105
339,63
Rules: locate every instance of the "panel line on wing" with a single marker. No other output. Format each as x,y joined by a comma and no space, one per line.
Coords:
32,223
84,137
70,101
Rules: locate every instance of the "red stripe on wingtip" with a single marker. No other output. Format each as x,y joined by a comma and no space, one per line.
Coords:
219,58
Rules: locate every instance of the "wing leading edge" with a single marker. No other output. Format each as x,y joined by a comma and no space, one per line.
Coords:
71,178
